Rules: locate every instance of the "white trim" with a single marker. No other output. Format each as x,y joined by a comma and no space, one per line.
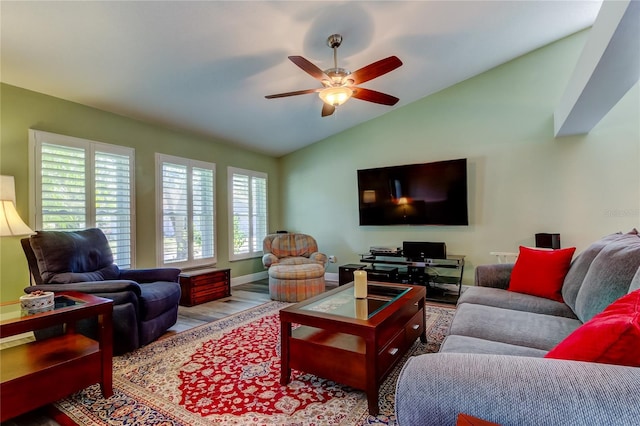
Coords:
252,174
331,277
244,279
38,137
191,263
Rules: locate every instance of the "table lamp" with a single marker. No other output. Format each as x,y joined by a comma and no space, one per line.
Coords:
11,223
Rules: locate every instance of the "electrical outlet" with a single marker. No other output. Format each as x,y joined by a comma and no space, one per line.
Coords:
332,259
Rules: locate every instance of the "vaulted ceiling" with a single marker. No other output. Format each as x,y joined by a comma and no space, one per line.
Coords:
205,67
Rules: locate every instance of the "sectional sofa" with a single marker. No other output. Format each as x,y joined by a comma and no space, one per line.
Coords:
516,359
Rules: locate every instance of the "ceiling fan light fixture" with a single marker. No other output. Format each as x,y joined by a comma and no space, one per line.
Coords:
335,96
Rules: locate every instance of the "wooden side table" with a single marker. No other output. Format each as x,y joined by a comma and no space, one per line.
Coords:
204,285
38,373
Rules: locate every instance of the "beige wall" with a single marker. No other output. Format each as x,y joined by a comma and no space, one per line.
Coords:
521,180
23,109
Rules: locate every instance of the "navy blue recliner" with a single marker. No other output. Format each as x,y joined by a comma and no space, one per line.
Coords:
145,301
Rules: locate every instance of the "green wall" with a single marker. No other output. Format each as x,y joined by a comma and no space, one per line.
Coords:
522,180
22,110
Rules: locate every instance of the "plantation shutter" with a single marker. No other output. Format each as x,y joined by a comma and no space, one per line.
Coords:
63,197
187,211
203,215
241,229
113,209
248,196
259,212
81,184
175,213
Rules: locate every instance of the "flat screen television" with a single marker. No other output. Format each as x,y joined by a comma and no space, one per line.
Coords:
414,194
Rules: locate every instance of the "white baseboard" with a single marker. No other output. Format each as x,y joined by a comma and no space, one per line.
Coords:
248,278
331,276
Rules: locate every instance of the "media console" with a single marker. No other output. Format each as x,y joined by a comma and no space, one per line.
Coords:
441,277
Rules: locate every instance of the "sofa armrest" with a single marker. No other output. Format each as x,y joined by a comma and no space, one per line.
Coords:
512,390
318,257
150,275
496,275
90,287
269,259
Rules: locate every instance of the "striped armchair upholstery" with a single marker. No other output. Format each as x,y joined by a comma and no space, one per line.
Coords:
291,249
296,267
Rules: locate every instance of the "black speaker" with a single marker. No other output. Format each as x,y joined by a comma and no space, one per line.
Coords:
551,241
418,250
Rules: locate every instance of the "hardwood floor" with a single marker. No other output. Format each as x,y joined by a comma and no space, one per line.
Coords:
242,297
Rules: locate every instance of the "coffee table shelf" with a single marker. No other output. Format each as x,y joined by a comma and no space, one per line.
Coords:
337,341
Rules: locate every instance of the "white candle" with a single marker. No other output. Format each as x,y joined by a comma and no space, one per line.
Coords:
360,286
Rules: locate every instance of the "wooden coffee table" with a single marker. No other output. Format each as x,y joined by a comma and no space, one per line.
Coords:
38,373
351,341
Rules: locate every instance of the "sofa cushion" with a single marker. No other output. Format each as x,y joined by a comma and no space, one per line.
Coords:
635,282
296,260
541,272
157,298
609,276
78,251
473,345
110,272
509,326
580,267
500,298
611,337
293,245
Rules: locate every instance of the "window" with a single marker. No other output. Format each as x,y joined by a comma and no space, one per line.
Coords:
186,206
79,184
248,218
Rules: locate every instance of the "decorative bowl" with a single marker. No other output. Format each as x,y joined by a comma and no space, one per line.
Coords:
38,301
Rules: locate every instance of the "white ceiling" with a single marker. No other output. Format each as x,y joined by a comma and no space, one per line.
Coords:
205,67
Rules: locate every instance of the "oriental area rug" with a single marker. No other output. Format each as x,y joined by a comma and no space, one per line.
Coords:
227,373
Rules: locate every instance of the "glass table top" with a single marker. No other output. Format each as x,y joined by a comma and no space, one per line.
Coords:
13,310
344,303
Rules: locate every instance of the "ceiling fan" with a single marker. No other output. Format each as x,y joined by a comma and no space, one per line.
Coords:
340,84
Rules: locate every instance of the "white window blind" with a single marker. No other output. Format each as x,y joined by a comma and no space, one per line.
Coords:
186,190
79,184
248,218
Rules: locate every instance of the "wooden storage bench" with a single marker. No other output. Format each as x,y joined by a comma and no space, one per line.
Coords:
204,285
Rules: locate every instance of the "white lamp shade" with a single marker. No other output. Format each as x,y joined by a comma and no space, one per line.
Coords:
7,189
11,223
335,95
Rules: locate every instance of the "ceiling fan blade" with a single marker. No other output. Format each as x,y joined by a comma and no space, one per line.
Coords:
309,68
375,69
373,96
298,92
327,109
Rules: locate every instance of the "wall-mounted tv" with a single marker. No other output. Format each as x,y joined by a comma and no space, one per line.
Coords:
415,194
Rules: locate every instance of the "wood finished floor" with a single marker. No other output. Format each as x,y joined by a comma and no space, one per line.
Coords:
244,296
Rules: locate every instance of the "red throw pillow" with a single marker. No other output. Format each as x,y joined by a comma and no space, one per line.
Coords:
611,337
541,272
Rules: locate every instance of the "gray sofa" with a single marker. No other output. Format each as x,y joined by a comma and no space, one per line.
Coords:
492,365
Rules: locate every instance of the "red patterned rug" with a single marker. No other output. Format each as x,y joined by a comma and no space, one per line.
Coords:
227,372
